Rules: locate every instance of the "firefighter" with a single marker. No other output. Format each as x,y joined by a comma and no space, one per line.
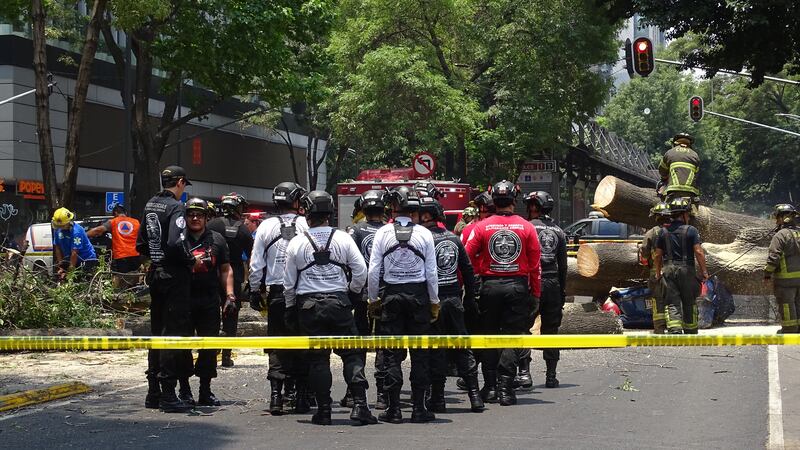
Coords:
403,256
553,244
240,243
678,170
647,250
323,265
163,240
677,247
371,204
266,286
124,257
783,267
507,252
452,262
211,274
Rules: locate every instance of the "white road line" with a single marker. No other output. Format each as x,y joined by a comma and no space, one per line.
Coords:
28,412
775,403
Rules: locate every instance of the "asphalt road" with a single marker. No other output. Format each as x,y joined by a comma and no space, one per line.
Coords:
621,398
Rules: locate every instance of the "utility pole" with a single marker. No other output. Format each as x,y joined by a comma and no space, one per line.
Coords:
126,133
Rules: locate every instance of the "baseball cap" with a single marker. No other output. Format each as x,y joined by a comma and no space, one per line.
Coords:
174,172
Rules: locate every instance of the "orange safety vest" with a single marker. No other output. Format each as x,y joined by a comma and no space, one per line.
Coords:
124,231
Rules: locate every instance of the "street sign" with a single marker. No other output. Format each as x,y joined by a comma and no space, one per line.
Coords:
424,164
113,199
545,165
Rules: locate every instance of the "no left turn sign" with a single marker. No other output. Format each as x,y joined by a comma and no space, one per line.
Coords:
424,164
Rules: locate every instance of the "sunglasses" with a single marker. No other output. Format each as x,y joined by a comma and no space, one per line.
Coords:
195,215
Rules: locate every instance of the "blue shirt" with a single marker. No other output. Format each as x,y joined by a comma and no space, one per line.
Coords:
75,239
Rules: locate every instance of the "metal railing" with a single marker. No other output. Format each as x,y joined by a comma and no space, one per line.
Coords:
611,149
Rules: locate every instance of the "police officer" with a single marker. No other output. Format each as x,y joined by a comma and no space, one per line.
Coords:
451,261
647,251
240,243
267,263
323,265
677,247
211,272
678,170
783,267
163,240
371,204
507,250
553,244
403,256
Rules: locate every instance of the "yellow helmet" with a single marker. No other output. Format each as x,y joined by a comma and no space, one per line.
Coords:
62,217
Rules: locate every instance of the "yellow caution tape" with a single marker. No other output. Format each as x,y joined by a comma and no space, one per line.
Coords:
11,343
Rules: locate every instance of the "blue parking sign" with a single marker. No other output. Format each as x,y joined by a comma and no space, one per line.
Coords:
113,199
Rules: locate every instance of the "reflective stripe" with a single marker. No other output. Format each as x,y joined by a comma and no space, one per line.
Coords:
786,317
784,272
657,316
675,184
693,324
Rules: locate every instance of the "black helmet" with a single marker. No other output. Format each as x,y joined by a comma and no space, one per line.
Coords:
679,205
431,206
318,202
686,136
404,198
484,199
373,199
659,209
784,211
427,189
197,204
286,193
544,201
504,193
233,203
356,207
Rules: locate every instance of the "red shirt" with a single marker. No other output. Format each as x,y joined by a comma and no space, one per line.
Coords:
506,246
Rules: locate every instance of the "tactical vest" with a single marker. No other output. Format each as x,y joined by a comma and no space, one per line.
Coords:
403,235
687,257
322,257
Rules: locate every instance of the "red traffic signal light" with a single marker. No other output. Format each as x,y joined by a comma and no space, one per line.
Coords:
696,108
643,57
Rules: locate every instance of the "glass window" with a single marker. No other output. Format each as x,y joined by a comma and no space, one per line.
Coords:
608,228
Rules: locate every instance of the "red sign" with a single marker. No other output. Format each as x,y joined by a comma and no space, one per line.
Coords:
424,164
197,151
33,190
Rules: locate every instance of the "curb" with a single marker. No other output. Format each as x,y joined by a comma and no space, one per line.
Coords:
36,396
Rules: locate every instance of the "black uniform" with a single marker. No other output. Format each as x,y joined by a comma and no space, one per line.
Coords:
162,238
553,243
679,278
205,295
239,242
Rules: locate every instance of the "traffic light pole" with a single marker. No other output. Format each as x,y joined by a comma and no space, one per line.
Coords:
729,72
751,123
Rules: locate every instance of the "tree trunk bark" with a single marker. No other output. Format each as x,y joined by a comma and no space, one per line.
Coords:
738,265
586,318
46,158
623,202
341,154
461,159
577,284
72,158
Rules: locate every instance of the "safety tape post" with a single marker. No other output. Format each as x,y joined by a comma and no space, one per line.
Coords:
62,343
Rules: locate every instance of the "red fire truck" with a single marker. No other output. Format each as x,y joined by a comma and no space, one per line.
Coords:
456,195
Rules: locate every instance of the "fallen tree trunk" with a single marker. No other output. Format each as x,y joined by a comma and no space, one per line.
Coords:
591,287
738,265
621,201
586,318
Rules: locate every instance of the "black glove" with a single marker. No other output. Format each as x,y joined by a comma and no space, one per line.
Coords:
290,318
355,297
256,301
374,309
230,307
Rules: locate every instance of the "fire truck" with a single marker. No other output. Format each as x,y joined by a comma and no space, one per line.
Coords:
456,196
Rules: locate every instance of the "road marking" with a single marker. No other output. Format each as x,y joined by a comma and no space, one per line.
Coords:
775,403
28,412
36,396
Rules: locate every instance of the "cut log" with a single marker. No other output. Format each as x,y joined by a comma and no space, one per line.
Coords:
580,285
621,201
586,318
738,265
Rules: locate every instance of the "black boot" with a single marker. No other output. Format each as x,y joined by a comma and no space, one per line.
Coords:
169,402
461,384
227,360
207,398
523,380
550,377
475,400
276,397
505,391
301,404
185,392
323,414
153,392
419,414
361,413
392,413
435,403
347,400
380,399
489,390
289,394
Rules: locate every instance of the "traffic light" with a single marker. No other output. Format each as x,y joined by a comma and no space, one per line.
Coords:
643,58
696,108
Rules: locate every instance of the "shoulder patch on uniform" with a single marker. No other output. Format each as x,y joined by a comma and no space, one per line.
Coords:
180,222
